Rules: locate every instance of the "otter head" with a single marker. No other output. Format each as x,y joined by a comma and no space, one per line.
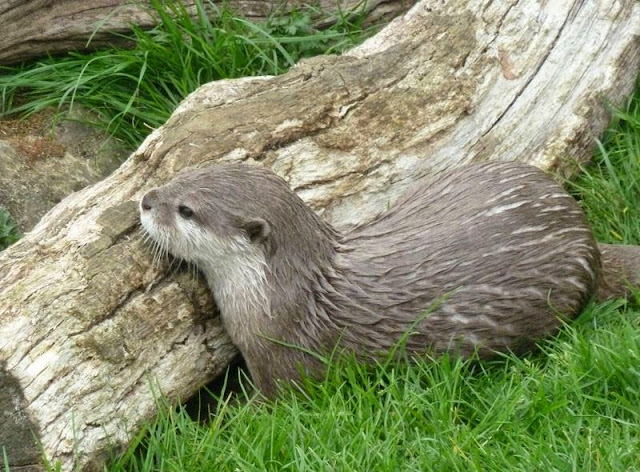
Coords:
249,234
210,217
207,215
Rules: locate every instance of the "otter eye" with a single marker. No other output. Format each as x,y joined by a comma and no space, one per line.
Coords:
185,211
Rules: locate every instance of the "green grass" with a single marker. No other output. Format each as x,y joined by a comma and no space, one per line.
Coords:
9,234
572,406
575,406
609,190
136,90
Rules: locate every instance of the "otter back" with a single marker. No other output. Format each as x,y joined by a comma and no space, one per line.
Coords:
505,250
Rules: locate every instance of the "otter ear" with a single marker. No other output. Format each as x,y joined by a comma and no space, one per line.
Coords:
257,229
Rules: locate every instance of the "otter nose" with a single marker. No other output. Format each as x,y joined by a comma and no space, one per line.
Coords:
149,200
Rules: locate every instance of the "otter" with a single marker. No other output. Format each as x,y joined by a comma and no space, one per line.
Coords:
483,259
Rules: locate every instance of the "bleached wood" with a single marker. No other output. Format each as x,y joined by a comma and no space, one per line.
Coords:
87,326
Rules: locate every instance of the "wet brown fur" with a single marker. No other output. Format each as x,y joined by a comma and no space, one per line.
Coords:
489,257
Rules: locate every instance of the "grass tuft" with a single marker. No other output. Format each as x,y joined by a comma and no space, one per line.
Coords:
609,188
136,90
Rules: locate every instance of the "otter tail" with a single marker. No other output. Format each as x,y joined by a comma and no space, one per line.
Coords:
620,270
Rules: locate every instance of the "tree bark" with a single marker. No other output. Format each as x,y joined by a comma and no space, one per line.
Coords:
90,330
36,28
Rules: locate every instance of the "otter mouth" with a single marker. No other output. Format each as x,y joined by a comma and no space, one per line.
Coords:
157,240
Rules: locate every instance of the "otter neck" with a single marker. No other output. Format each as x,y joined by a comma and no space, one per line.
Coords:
283,297
239,287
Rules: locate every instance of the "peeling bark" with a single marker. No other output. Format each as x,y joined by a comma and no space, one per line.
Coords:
36,28
88,328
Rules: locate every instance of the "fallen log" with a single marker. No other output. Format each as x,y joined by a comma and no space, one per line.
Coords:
90,330
44,27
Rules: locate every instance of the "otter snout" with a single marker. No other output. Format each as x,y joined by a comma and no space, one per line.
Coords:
149,201
153,215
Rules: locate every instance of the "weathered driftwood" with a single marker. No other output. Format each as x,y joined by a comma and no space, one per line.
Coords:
89,329
40,27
